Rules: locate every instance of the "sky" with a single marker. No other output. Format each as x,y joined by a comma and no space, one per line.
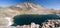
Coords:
55,4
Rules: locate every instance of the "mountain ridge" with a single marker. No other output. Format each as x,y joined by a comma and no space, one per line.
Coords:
24,8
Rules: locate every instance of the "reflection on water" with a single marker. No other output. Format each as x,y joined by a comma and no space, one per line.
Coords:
27,19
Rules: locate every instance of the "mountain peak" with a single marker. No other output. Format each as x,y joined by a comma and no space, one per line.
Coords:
28,6
29,3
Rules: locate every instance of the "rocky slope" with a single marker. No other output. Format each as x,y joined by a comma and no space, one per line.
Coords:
24,8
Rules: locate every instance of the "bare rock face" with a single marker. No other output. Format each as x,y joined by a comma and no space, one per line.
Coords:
31,8
25,8
3,22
